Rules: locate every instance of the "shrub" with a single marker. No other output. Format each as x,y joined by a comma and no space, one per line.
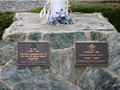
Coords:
5,21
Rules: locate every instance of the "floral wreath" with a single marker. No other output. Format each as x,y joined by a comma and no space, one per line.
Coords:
61,18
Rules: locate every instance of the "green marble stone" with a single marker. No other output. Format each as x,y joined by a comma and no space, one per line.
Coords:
35,36
64,40
98,36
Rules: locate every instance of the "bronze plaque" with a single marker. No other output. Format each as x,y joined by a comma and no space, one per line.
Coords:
33,53
91,53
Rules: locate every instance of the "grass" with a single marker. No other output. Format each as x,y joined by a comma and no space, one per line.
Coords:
109,10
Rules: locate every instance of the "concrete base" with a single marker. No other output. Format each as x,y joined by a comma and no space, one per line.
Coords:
30,22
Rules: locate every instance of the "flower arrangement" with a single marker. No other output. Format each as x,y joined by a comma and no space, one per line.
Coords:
61,18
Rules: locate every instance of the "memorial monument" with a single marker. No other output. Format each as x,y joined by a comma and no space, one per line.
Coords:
32,41
56,12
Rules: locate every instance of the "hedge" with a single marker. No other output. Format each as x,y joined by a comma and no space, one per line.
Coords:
109,10
5,21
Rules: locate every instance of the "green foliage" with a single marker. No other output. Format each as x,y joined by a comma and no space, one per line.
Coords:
5,21
109,10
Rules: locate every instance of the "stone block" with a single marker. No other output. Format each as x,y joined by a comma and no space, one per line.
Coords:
98,36
64,40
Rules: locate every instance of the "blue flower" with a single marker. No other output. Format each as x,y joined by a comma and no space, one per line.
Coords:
61,18
61,9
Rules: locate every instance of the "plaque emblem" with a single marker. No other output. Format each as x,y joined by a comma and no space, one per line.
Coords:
91,46
33,53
